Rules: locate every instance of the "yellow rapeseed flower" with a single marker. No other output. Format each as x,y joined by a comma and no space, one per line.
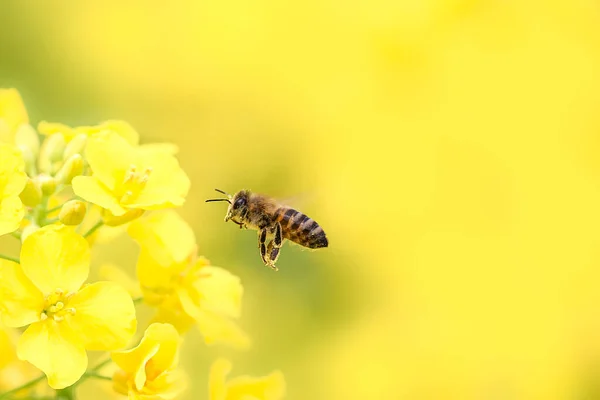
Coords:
184,287
12,114
149,371
270,387
64,318
121,128
127,179
12,182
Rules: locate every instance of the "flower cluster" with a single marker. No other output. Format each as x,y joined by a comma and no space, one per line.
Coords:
64,188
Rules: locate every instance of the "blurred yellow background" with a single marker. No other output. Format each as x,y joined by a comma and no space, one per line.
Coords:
449,148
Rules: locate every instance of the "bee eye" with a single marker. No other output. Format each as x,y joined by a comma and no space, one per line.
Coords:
239,203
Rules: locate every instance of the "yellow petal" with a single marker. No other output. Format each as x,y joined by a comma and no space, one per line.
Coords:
104,317
55,257
216,379
50,128
215,328
151,274
171,312
12,212
165,236
12,171
168,385
91,189
12,113
270,387
55,349
119,127
115,274
169,148
218,290
21,303
109,156
159,344
167,186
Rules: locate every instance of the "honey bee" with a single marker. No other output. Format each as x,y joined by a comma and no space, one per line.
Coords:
272,220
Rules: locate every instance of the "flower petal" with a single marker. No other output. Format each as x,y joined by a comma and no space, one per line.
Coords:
55,257
168,184
218,291
216,379
50,128
105,316
110,156
91,189
121,128
270,387
115,274
12,212
55,349
12,171
166,236
12,110
215,328
21,303
152,275
159,344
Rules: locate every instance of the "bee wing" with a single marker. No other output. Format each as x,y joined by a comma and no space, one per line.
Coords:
298,201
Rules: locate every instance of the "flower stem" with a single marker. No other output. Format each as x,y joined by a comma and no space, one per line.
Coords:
92,374
9,258
24,386
93,228
101,364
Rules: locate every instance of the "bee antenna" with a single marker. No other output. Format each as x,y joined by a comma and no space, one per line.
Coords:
209,200
225,193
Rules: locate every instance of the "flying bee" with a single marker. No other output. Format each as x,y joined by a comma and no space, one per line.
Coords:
272,220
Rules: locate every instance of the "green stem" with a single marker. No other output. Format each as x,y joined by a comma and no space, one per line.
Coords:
54,209
16,234
26,385
93,228
9,258
98,366
67,393
92,374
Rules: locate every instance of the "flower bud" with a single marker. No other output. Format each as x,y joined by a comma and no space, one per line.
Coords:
70,169
72,212
75,146
27,137
51,151
29,159
130,215
47,184
31,195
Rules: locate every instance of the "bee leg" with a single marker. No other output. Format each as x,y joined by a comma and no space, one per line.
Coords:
262,238
278,239
272,253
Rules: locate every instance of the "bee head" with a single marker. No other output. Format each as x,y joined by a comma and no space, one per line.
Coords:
238,208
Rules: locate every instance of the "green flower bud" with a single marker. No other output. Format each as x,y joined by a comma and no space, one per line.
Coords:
47,184
27,137
31,195
72,212
75,146
70,169
51,152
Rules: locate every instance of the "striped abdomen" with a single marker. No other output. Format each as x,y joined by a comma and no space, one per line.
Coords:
300,229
